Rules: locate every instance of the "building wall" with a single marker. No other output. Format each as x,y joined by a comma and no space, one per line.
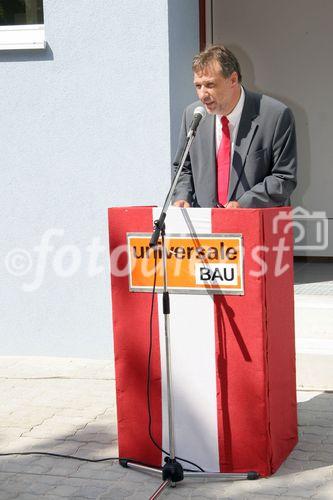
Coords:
84,125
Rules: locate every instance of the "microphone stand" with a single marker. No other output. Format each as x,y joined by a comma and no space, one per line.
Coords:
172,471
158,224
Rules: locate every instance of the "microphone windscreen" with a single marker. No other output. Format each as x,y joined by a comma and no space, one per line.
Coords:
200,110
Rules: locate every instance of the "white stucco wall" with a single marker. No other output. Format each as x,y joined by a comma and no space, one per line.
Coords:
84,125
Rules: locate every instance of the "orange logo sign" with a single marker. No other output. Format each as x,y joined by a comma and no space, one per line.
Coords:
194,264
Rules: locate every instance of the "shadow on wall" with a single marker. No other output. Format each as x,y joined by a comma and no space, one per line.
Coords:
301,118
27,55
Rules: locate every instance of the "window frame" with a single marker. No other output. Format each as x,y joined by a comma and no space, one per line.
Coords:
22,36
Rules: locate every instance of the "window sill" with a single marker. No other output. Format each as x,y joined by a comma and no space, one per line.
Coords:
30,36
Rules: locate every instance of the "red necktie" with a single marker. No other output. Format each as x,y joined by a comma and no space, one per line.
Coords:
223,163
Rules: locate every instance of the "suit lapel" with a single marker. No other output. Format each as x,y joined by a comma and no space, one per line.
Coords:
206,145
246,131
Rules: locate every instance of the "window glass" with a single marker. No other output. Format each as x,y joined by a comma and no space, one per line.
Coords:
18,12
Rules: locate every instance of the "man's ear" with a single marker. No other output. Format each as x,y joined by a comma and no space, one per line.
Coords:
234,78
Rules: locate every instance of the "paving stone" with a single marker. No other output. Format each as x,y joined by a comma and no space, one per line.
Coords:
9,433
6,491
259,487
292,464
105,471
24,464
324,492
100,426
258,496
77,416
23,444
138,481
26,420
300,492
313,429
183,491
313,464
317,419
285,497
63,467
57,427
87,413
23,496
311,438
201,494
8,495
25,484
94,437
308,447
116,492
309,479
92,492
301,455
65,490
107,417
322,456
97,451
28,496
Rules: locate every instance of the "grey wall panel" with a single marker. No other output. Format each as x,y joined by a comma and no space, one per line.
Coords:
285,50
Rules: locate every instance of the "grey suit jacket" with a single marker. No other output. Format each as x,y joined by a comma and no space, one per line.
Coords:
263,172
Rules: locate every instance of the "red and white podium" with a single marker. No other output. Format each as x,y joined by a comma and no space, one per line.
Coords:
233,356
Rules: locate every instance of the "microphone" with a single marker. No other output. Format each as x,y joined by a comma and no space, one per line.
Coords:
198,114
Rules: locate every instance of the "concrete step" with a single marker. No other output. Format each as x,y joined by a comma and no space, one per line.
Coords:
314,341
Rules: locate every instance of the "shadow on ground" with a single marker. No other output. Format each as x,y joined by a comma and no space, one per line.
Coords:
312,272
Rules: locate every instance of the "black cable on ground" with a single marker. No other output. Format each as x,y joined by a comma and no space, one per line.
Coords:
58,455
81,459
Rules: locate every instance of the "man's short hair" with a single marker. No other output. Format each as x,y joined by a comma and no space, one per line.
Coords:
226,59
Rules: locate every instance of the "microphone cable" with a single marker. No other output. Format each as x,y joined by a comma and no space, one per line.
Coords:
149,370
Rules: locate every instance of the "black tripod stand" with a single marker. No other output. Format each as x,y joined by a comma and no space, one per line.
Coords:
172,472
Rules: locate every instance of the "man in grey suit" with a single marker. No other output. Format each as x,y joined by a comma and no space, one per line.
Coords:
256,140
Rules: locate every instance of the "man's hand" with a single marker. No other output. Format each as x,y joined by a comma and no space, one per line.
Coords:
181,204
232,204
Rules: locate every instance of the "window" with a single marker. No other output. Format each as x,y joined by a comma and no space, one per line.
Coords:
21,12
21,24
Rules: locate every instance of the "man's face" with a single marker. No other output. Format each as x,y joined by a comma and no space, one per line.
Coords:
219,95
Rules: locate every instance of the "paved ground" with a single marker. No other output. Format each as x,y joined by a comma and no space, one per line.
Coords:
67,406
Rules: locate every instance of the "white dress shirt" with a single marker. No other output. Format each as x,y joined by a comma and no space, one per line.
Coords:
234,119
